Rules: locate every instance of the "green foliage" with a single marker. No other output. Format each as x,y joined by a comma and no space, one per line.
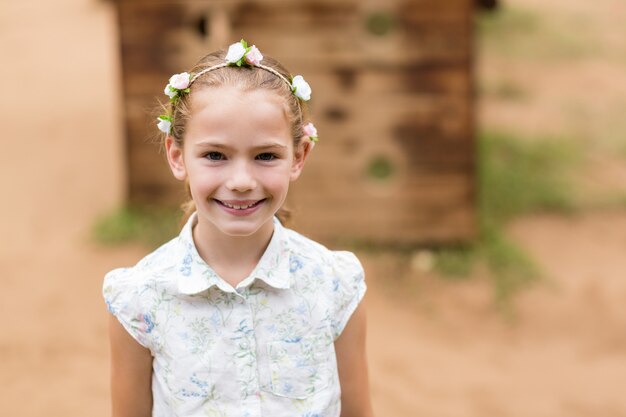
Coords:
380,167
507,22
511,268
522,175
516,32
147,225
516,176
455,262
379,23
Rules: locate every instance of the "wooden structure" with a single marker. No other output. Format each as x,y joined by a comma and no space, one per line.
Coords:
392,100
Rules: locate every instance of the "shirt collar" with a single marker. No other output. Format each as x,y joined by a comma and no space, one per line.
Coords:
196,276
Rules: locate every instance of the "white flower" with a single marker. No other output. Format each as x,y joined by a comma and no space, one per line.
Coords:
301,88
164,125
254,56
169,92
180,81
236,51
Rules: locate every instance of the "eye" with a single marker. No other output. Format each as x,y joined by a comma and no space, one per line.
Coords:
266,156
215,156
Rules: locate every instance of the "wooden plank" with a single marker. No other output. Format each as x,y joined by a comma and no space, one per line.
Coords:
404,98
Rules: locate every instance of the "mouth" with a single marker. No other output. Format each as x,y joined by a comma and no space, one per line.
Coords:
239,205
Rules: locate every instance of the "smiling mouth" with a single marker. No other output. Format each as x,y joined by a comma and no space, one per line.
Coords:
240,206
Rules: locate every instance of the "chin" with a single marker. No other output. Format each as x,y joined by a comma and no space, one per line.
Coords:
239,231
240,227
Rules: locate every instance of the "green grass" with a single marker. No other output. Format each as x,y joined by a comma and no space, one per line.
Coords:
516,32
520,175
150,226
508,22
510,267
455,262
621,147
516,176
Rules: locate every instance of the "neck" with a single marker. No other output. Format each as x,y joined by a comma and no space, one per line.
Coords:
232,257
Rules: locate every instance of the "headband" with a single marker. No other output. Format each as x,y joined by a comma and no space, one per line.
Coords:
239,54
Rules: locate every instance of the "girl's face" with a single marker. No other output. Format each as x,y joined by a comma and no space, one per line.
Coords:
238,157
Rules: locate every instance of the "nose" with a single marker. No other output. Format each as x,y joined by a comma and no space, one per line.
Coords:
241,178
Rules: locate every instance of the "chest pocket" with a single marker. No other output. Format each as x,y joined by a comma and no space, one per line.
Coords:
301,367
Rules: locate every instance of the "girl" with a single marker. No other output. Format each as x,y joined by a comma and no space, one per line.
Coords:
238,315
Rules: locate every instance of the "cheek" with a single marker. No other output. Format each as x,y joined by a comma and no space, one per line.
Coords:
200,180
276,179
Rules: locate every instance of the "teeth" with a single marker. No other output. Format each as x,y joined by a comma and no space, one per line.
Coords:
233,206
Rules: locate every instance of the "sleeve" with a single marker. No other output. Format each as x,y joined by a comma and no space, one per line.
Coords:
123,295
348,288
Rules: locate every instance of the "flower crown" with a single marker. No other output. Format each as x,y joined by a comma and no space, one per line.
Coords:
239,54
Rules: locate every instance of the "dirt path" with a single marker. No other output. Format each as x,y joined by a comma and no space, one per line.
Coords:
452,354
436,348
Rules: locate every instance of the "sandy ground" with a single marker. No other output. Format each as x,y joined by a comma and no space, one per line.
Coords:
562,354
436,348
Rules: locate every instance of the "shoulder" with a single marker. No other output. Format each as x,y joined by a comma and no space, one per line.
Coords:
134,294
336,264
153,271
336,278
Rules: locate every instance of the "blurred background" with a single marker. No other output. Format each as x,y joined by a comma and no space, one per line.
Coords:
483,142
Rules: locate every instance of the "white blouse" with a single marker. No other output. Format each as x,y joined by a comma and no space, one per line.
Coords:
264,348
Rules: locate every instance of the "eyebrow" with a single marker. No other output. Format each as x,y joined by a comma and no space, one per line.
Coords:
225,146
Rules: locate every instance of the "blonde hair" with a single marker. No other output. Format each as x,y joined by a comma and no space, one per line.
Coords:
246,78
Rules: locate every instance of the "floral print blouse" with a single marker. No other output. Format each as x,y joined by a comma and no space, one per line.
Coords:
264,348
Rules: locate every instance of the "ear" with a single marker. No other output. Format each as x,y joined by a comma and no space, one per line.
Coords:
175,159
299,158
